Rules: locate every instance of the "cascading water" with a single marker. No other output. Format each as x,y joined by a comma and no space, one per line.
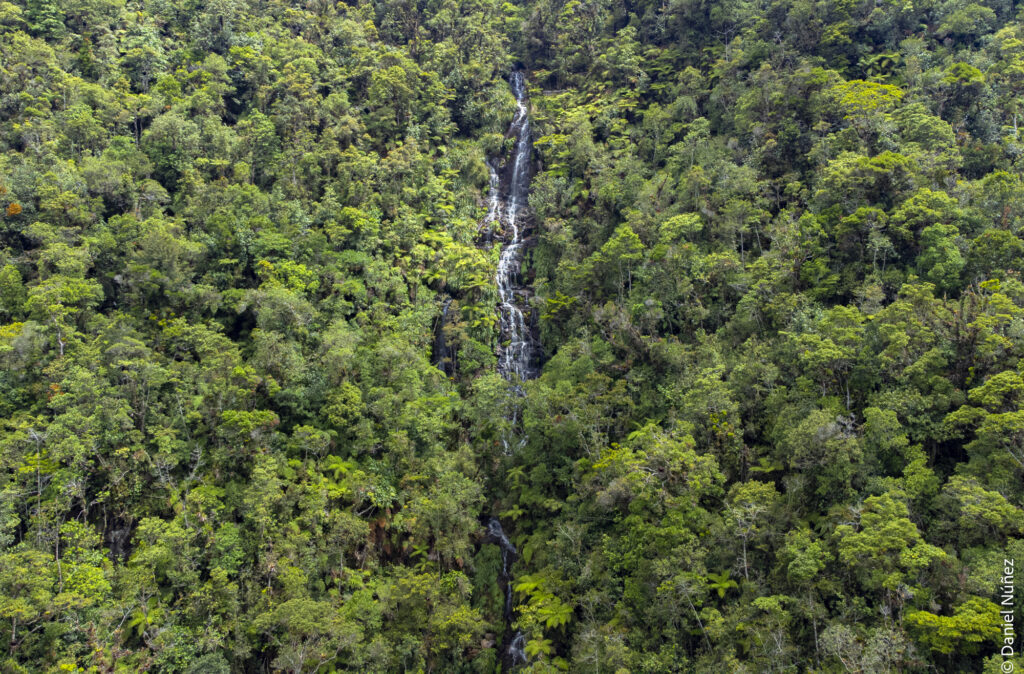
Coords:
516,358
493,197
517,354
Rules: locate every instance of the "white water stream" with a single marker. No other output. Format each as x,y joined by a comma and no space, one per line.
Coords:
516,357
517,353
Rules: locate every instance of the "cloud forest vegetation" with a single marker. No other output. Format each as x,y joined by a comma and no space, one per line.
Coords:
252,417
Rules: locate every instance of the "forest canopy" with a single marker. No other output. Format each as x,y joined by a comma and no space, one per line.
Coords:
775,260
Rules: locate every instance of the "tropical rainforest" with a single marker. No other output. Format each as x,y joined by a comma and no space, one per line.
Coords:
772,266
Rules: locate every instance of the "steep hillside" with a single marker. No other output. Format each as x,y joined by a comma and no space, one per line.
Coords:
550,335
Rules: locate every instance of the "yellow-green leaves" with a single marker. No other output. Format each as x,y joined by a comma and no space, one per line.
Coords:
860,97
543,607
973,623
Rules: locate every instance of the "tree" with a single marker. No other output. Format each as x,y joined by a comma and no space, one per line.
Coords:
750,502
58,301
974,622
309,634
883,548
941,261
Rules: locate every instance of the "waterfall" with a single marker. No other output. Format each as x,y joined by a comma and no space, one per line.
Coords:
517,350
516,359
493,195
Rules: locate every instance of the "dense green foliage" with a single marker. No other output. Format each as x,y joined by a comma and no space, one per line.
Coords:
778,262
